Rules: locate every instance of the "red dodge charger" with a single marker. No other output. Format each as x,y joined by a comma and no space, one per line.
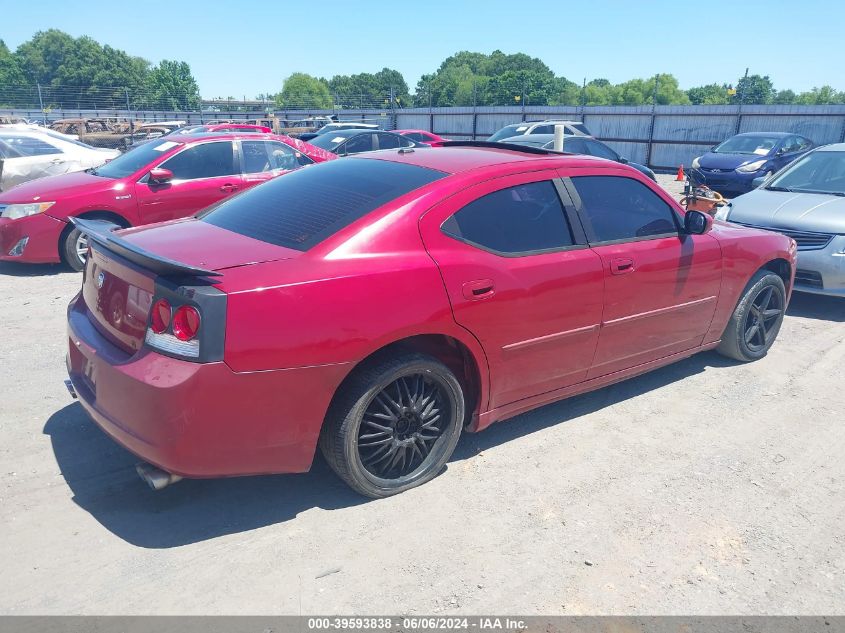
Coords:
168,178
379,306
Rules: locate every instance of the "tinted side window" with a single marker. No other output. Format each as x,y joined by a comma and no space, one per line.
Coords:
388,141
600,149
544,129
359,143
574,146
519,219
202,161
618,208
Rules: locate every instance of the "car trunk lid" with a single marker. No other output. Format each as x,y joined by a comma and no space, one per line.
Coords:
120,275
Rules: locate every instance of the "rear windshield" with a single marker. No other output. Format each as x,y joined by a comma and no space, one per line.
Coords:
581,128
302,208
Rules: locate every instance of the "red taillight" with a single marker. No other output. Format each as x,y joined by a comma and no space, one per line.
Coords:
186,323
160,318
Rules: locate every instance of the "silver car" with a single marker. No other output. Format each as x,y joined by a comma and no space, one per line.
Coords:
806,201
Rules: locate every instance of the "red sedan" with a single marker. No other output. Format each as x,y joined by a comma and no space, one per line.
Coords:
164,179
423,136
380,305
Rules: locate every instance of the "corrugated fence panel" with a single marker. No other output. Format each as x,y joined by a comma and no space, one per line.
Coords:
632,151
822,129
670,156
618,126
708,128
453,124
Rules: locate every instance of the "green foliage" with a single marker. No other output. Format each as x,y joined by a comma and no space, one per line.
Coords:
820,96
301,90
170,86
79,70
711,94
370,90
754,89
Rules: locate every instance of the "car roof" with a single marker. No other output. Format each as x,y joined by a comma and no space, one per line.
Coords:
569,121
229,136
453,159
355,131
770,134
539,137
833,147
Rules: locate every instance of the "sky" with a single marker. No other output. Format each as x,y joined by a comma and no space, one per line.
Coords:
244,49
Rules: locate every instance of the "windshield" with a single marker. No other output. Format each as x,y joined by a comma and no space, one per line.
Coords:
760,145
817,172
511,130
135,159
328,141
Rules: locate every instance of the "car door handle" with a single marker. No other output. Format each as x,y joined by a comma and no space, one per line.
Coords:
228,188
57,161
479,289
622,266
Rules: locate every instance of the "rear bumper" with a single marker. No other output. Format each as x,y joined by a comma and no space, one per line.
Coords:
42,245
199,419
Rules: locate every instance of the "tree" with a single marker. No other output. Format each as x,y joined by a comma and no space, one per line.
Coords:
754,89
171,86
711,94
302,90
369,90
820,96
784,97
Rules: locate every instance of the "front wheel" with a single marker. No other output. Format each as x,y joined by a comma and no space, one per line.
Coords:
756,320
75,249
394,424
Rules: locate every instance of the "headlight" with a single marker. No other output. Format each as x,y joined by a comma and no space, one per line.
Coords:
750,168
695,163
723,212
15,211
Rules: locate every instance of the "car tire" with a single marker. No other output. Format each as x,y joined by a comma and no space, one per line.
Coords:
72,242
756,320
393,424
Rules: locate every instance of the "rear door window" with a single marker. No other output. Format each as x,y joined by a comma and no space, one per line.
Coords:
359,143
619,209
259,156
207,160
517,220
305,207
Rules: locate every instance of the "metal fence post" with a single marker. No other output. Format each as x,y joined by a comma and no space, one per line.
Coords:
651,124
41,103
474,111
129,112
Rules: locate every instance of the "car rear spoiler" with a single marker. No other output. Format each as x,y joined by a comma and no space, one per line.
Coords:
101,232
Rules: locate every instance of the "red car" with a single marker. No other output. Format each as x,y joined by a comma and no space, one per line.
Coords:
244,128
382,304
164,179
423,136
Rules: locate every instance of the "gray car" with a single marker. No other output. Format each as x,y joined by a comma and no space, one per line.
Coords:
806,201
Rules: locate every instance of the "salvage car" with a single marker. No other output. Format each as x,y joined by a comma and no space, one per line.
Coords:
576,128
423,136
805,201
97,132
732,166
160,180
379,306
578,145
27,155
348,142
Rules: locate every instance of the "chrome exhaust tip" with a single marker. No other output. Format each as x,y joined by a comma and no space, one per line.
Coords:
156,478
70,389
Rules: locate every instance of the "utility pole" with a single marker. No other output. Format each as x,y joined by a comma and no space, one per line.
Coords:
129,112
741,100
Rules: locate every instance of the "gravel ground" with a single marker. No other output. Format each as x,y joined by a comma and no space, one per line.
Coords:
706,487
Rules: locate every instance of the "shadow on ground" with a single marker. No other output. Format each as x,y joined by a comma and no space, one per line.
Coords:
819,307
13,269
102,476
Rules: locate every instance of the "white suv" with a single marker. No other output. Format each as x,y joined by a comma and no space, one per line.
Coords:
576,128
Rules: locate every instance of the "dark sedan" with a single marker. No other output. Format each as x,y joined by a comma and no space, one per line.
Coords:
578,145
348,142
733,165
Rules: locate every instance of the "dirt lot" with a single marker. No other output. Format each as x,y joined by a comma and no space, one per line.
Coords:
706,487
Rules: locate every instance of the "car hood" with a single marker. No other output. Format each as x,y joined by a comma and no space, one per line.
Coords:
57,187
782,209
711,160
203,245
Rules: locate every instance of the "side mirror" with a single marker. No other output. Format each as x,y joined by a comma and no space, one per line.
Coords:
758,181
160,175
697,223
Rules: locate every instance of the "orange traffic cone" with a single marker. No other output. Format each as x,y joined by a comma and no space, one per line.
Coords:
681,173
